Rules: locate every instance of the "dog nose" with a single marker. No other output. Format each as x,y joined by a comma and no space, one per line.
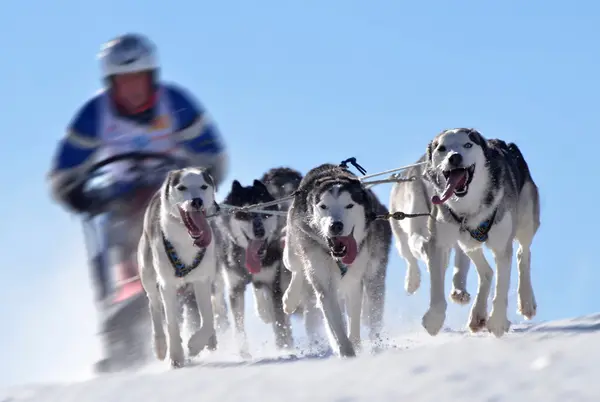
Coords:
336,228
455,159
197,203
258,229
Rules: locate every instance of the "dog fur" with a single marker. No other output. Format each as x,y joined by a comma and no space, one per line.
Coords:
493,186
185,195
330,208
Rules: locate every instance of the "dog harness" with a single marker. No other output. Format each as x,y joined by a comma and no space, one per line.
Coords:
180,268
480,233
343,267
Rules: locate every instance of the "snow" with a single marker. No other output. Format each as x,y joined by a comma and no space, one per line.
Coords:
553,361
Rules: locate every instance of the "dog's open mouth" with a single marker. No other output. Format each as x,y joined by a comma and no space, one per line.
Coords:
457,183
343,247
197,225
255,252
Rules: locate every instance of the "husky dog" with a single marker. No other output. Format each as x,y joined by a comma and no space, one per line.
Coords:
334,241
250,252
281,183
177,249
409,234
484,194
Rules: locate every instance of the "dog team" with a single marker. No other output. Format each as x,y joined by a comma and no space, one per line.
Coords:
317,246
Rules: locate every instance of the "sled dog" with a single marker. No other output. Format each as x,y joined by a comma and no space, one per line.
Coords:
177,249
250,252
334,241
483,193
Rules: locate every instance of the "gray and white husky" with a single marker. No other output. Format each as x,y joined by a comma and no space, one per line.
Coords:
250,253
334,241
177,249
483,193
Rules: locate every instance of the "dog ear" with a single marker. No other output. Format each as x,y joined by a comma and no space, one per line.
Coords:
478,139
236,185
208,178
172,180
260,186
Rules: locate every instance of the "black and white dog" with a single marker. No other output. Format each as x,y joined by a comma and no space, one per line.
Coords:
177,249
334,241
250,252
483,194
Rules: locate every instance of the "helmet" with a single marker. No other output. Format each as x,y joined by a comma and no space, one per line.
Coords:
129,53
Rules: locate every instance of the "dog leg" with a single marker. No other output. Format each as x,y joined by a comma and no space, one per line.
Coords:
479,312
238,305
353,309
155,303
437,263
293,294
528,226
205,336
375,302
412,280
281,322
263,303
462,263
219,303
332,314
176,354
313,318
498,323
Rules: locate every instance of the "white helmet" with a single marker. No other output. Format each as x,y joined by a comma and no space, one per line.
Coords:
129,53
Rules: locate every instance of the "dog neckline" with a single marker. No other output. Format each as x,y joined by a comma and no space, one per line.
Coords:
480,233
180,268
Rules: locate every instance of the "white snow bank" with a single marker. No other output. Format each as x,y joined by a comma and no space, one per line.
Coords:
555,361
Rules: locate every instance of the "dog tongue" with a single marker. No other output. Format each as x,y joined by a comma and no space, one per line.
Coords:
455,179
253,258
351,248
198,227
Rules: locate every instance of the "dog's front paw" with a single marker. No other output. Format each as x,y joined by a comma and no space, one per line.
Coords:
527,306
176,356
199,340
347,350
289,303
460,296
433,320
477,322
498,324
412,281
159,345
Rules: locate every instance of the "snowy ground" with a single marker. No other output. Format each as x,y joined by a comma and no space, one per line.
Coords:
555,361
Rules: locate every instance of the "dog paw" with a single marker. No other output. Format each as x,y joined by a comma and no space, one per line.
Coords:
347,350
176,363
160,347
176,357
289,305
477,322
412,281
212,343
199,340
527,307
433,320
460,296
498,324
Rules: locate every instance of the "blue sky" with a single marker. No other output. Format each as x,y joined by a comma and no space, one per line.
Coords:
299,84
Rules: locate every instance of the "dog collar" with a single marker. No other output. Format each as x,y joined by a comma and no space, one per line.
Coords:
343,267
180,268
480,233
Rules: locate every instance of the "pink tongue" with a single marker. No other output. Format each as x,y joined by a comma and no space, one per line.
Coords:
199,228
253,260
456,179
351,248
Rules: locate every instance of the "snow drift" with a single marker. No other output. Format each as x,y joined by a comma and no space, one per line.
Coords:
554,361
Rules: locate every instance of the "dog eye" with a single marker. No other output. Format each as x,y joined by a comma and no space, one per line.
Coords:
204,187
349,206
468,145
323,206
181,187
441,148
